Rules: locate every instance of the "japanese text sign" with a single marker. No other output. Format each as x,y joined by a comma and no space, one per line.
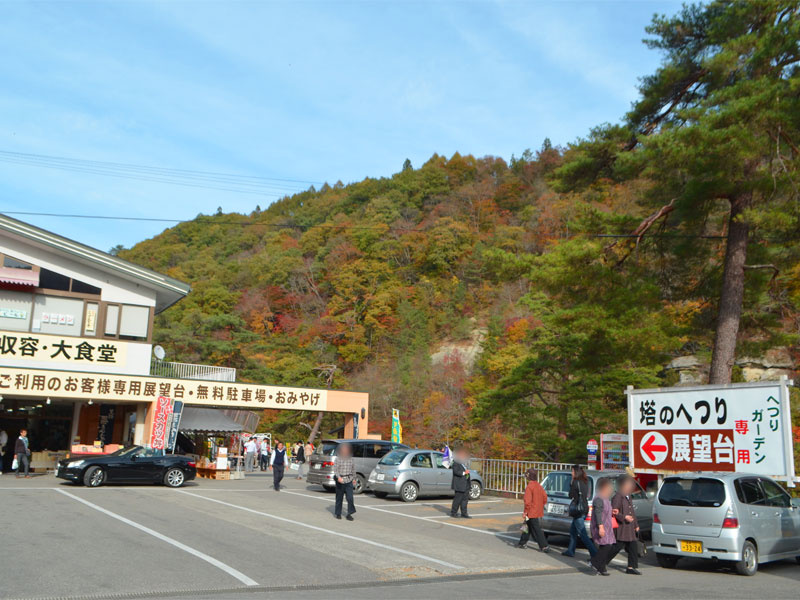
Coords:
52,348
739,427
129,388
163,410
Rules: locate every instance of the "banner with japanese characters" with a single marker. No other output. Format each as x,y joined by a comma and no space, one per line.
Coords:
104,387
161,418
739,427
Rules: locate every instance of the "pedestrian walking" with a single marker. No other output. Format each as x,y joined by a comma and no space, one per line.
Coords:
278,464
344,471
300,457
22,452
264,456
249,455
602,527
627,531
535,499
460,484
579,508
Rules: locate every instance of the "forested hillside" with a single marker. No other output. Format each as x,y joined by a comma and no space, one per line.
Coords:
521,258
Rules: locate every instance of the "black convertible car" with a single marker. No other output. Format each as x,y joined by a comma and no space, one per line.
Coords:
134,464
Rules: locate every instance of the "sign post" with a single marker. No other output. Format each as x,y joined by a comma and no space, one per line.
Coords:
742,427
591,449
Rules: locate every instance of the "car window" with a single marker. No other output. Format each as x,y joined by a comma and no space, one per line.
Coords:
748,491
438,460
557,484
148,452
638,493
357,448
326,448
775,494
376,450
702,491
394,458
422,460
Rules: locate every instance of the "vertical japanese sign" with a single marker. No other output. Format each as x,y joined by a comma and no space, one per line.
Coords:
397,428
739,427
174,424
105,425
163,410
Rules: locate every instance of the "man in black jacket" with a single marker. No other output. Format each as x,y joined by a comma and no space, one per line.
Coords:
23,452
460,485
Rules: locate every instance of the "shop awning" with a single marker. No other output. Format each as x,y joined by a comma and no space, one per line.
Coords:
207,420
19,276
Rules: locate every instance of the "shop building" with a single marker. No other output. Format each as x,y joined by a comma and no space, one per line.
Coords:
76,354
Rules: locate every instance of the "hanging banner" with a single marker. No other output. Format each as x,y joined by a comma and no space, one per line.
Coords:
174,424
105,426
397,428
738,427
163,410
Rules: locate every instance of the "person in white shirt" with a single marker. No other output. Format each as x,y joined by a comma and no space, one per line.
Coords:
264,459
249,454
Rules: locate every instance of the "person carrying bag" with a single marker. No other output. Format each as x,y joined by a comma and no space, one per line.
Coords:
578,509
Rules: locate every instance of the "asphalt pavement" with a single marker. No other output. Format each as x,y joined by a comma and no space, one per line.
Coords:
241,539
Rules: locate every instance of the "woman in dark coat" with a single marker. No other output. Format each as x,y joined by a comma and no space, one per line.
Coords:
628,526
579,491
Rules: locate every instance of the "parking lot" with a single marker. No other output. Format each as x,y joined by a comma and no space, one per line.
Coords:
223,538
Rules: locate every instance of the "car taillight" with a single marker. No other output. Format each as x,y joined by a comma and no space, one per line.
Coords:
191,464
656,519
327,464
589,515
730,523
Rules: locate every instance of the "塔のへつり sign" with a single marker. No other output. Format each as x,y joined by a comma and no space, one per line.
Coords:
738,427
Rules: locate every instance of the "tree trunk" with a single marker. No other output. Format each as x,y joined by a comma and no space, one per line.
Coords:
731,296
315,429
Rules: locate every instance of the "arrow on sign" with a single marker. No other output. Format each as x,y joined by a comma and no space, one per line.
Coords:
649,447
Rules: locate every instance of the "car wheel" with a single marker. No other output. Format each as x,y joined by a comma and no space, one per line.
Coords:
474,490
749,563
94,477
174,478
666,561
380,494
359,484
409,492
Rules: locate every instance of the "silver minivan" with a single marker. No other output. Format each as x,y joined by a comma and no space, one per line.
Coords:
556,519
366,454
735,517
414,473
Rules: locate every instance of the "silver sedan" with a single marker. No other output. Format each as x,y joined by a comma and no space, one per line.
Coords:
414,473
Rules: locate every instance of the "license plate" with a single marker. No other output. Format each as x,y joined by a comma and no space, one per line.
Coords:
317,466
556,509
380,476
693,547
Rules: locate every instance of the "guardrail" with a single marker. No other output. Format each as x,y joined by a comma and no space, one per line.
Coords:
160,368
508,476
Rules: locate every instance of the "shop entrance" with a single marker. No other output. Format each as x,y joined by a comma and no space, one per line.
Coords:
48,426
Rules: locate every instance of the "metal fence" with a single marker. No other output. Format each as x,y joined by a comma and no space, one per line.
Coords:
160,368
509,475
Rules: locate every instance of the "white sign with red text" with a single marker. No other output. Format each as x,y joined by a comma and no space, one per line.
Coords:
738,427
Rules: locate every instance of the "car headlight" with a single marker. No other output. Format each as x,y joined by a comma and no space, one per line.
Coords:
75,463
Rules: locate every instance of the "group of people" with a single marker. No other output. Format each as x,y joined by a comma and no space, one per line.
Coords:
613,523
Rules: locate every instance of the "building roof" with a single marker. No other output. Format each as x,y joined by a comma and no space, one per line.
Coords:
168,290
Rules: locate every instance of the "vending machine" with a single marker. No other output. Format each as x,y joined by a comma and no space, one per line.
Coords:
614,451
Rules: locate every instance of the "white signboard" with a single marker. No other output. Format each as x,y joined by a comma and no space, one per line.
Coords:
739,427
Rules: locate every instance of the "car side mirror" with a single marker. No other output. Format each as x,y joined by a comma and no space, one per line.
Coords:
133,456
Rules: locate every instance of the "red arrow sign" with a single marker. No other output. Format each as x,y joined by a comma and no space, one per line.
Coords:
648,447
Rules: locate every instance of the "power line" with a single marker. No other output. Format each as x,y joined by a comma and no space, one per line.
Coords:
213,220
230,182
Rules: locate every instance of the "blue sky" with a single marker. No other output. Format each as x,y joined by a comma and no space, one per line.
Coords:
301,90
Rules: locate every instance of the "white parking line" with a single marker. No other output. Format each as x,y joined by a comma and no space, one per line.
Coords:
471,502
209,559
391,512
330,531
516,512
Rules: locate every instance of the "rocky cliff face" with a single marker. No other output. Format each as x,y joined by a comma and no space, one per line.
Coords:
691,370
